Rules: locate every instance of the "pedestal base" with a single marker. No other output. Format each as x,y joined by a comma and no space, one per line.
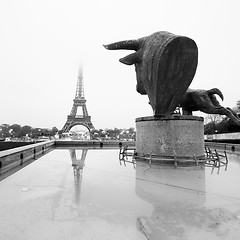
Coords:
171,136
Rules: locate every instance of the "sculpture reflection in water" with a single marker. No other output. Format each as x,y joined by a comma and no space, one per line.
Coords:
178,201
78,164
184,206
189,201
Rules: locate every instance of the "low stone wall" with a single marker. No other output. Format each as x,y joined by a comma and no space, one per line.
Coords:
233,147
223,136
10,145
17,156
14,157
92,143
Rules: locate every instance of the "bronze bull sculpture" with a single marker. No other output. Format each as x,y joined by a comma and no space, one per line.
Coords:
165,65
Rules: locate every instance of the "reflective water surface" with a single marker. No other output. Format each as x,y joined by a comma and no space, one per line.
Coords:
90,194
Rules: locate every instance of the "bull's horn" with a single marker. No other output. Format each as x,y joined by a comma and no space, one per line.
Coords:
128,45
216,91
131,59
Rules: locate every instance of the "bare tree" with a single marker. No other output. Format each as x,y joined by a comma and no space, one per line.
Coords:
213,120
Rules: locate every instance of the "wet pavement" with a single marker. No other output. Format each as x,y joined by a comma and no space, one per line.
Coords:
90,194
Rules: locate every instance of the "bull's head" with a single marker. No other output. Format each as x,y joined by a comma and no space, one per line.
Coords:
165,65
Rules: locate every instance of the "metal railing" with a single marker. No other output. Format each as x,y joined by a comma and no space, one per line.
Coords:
213,158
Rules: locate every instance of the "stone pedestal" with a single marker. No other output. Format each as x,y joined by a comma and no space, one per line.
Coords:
182,136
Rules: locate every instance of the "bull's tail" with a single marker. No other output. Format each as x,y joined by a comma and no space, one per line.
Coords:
215,91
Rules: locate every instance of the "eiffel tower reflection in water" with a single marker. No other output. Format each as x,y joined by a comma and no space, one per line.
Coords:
78,164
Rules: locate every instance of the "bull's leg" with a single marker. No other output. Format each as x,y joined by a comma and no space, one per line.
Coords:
223,111
232,116
186,112
234,113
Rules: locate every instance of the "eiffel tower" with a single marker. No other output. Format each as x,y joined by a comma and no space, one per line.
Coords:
78,102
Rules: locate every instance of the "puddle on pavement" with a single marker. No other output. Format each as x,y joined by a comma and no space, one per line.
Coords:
70,193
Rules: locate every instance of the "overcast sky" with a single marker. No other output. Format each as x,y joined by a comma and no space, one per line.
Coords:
42,43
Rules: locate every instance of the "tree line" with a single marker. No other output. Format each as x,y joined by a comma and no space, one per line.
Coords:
114,134
26,131
18,131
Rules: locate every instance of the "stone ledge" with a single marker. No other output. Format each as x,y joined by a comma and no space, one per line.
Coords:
169,117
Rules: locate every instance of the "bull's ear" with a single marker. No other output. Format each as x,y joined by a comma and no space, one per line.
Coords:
130,59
